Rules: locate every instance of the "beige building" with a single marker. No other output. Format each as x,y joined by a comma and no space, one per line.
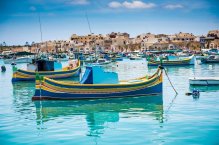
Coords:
52,46
118,41
149,40
20,48
182,37
86,39
211,41
214,44
159,46
213,33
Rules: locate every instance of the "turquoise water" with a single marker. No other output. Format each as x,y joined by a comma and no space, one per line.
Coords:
167,119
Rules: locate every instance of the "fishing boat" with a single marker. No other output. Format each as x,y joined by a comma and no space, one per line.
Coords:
172,61
61,57
50,69
19,57
25,59
204,81
211,59
96,84
101,61
89,59
118,58
135,57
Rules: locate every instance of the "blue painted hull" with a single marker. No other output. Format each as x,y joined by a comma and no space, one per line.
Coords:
23,75
55,90
166,64
189,61
33,79
155,90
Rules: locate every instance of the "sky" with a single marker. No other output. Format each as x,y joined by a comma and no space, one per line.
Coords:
19,19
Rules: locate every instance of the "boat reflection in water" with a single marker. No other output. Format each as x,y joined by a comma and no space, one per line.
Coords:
98,113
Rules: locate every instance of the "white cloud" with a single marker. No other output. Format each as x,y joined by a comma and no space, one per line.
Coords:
79,2
32,8
136,4
171,6
114,4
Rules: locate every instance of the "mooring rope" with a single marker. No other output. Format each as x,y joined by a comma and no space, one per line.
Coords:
170,81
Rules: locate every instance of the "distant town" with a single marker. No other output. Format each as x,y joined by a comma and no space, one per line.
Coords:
121,42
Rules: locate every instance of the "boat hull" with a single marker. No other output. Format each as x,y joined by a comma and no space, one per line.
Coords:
168,64
23,75
132,58
204,81
19,60
50,89
188,61
209,61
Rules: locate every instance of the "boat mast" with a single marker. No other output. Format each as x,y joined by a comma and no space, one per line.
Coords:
41,38
88,22
41,35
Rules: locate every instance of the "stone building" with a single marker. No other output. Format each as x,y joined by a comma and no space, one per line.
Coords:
86,39
182,37
213,33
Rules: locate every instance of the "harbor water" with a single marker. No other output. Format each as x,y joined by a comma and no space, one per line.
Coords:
167,119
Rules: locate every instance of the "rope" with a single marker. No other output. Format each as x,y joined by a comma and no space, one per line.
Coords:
169,107
170,81
171,103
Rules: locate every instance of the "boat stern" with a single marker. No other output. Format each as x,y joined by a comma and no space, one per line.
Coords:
38,86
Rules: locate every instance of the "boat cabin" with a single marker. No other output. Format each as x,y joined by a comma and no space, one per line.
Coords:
44,65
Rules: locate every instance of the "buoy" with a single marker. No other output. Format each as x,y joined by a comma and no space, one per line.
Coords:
3,68
195,93
13,63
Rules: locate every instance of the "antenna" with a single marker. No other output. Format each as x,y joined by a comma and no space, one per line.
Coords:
41,36
88,22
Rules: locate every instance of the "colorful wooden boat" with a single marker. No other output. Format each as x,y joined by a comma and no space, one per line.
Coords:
135,57
26,75
91,88
211,59
24,59
178,62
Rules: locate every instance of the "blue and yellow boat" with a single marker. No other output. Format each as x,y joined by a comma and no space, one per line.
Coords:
172,61
29,75
96,84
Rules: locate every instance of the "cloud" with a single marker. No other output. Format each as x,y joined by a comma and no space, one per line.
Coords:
136,4
114,4
171,6
79,2
32,8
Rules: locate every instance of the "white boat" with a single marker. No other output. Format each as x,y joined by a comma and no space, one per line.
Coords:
204,81
135,57
26,59
62,57
101,61
211,59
